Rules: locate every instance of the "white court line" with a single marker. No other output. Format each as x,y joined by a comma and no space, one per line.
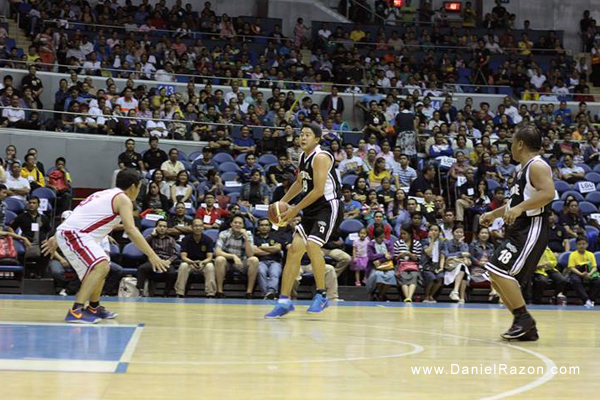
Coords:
133,342
57,365
68,324
548,375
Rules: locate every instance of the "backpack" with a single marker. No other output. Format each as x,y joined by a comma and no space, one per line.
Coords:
58,181
128,287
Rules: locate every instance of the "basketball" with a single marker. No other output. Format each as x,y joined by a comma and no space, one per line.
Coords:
275,211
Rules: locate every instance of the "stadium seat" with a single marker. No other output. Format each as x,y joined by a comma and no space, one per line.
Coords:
562,186
220,158
132,253
213,234
574,193
587,208
557,206
181,156
187,165
228,166
9,217
597,256
260,213
492,185
572,244
349,180
349,226
593,197
148,223
592,177
194,155
15,205
589,229
229,190
563,260
240,159
115,252
147,231
229,176
233,197
597,168
586,168
267,159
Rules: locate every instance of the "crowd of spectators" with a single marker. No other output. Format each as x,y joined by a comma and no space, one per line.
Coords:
416,181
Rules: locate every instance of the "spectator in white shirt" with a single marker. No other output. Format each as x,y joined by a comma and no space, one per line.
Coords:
512,111
13,115
538,79
127,102
324,32
352,163
493,47
155,127
92,66
571,173
18,187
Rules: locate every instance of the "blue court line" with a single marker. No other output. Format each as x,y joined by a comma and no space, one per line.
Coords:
391,304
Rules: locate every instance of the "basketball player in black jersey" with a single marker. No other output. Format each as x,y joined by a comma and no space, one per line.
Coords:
526,218
322,214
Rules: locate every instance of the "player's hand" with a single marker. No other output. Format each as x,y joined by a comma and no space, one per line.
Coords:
512,214
486,219
159,265
48,246
286,217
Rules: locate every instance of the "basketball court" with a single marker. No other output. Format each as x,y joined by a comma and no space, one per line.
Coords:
192,348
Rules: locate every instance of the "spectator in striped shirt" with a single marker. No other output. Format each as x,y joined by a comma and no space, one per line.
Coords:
406,174
408,252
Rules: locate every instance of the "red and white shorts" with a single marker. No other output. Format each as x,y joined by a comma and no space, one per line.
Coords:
81,251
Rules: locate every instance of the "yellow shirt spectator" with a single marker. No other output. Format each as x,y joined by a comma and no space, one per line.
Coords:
532,96
357,35
375,179
584,262
548,262
33,175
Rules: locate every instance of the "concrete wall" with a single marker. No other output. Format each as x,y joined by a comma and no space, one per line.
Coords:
91,159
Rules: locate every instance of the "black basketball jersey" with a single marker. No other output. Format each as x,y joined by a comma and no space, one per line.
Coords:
521,191
332,183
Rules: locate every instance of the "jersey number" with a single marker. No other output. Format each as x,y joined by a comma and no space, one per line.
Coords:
505,256
322,229
304,186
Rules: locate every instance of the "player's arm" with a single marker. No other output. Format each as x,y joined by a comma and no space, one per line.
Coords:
321,166
293,191
542,181
123,206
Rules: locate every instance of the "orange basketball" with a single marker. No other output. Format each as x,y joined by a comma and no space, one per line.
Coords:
275,211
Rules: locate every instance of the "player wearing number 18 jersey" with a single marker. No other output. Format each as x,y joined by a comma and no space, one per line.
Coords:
527,231
322,214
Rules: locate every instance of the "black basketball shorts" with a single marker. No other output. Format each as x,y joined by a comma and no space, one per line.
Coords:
519,254
319,225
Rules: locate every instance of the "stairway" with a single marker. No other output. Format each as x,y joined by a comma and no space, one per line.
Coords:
16,33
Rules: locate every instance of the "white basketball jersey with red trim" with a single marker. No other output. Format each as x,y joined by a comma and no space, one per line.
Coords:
94,216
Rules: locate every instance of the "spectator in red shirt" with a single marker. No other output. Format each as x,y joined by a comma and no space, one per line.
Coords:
378,222
418,230
498,199
210,214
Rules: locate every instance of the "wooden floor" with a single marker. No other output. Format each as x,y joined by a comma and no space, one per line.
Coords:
226,350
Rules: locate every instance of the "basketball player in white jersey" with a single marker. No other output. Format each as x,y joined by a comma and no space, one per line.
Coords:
80,236
527,231
322,214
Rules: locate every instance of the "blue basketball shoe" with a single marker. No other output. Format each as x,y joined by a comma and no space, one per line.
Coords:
318,304
101,312
81,316
281,309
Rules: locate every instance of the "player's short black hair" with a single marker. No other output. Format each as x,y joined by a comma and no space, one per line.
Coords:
580,238
530,135
127,178
315,128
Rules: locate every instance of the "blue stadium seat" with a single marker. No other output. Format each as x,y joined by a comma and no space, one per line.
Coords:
132,253
572,244
592,177
349,226
587,208
597,168
228,166
15,205
192,157
229,176
229,190
260,213
586,168
557,206
349,180
212,233
597,256
115,252
233,197
8,218
222,158
563,260
241,159
574,193
267,159
492,185
562,186
181,156
593,197
147,231
147,223
589,229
